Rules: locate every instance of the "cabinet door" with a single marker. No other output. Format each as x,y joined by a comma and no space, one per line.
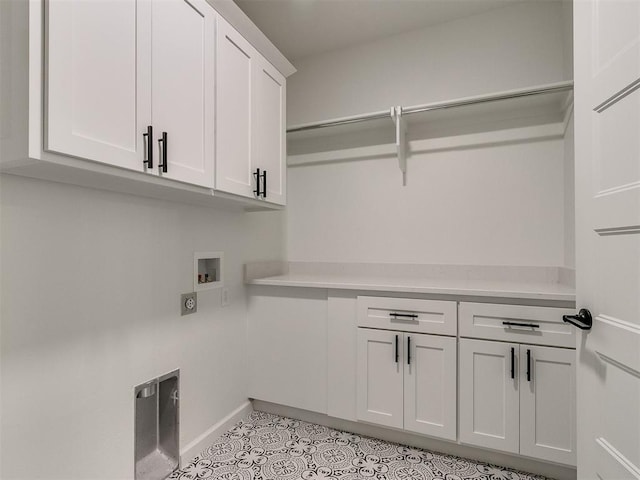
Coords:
269,128
547,404
98,80
489,402
234,112
183,89
380,377
430,385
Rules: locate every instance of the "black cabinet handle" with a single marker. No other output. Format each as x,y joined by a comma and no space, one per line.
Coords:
408,350
395,316
513,362
148,151
583,320
162,145
528,365
397,349
520,324
264,184
260,178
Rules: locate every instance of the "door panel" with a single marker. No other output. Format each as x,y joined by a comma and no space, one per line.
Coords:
547,404
269,127
489,402
234,123
607,121
380,377
183,87
430,386
91,112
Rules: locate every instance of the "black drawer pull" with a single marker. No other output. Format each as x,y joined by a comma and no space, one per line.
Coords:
520,324
412,316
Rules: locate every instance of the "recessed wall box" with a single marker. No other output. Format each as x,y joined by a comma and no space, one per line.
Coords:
208,270
157,427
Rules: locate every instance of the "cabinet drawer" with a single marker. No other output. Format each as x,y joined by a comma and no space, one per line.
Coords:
517,323
408,315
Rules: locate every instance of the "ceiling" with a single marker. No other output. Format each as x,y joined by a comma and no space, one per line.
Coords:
300,28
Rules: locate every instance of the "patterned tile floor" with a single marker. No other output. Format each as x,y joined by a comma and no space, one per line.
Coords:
265,447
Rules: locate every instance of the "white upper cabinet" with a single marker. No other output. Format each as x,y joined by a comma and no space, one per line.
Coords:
98,95
168,88
233,122
104,91
269,129
251,116
182,86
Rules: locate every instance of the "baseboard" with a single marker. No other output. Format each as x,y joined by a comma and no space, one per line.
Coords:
549,470
209,437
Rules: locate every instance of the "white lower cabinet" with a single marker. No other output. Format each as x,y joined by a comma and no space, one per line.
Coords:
489,403
408,381
518,399
548,404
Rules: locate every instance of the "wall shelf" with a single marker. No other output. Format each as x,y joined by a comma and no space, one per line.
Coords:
535,112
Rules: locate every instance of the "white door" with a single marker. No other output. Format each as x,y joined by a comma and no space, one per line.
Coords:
183,89
547,403
380,377
98,80
234,115
489,400
607,153
269,129
430,385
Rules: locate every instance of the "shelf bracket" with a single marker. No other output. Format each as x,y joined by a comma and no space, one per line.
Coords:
401,141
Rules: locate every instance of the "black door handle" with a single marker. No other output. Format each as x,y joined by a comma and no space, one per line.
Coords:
162,144
148,137
408,350
528,365
583,320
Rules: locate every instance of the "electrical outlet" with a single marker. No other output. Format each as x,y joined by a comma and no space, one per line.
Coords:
225,300
188,303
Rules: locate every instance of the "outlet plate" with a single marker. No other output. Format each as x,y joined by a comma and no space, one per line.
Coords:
225,300
188,303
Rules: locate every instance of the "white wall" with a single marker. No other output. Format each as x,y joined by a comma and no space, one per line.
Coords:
90,307
496,205
511,47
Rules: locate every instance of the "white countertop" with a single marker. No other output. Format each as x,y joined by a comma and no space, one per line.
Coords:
441,286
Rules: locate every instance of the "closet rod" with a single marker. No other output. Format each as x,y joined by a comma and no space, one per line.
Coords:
342,121
488,98
561,87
